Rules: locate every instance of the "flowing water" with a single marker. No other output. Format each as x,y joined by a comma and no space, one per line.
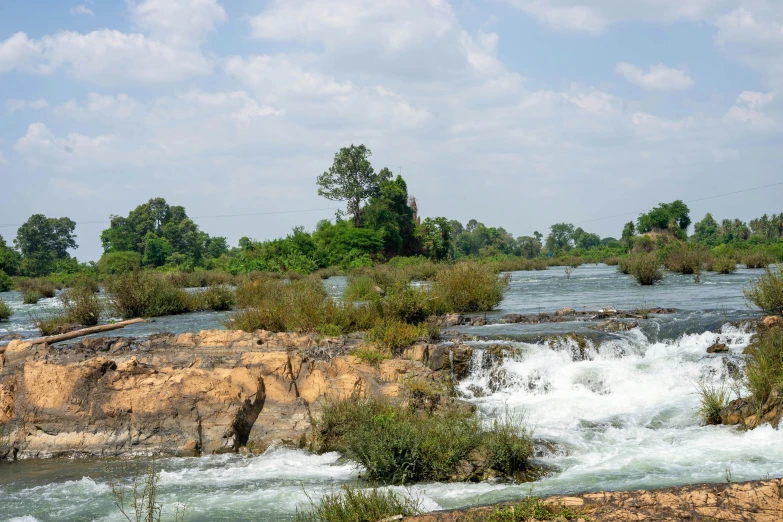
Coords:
622,416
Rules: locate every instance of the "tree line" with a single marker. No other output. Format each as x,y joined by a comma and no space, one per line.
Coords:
380,222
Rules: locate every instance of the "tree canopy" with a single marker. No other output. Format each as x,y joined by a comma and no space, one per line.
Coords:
44,242
671,216
352,178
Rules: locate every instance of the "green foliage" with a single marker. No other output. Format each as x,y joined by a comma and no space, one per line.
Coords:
398,445
713,399
767,292
723,265
469,287
43,242
476,239
41,286
706,231
145,294
217,297
9,259
685,258
390,214
31,296
560,238
757,259
352,178
5,310
407,303
391,335
508,444
533,509
360,288
354,504
6,283
644,267
674,215
768,227
764,366
114,263
81,305
370,355
434,236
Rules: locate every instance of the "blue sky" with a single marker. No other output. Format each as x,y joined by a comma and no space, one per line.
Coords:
519,113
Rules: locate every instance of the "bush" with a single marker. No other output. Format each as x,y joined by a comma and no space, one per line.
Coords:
5,310
469,287
767,292
353,504
53,324
685,258
713,399
508,444
764,367
115,263
360,288
644,267
407,303
6,283
41,286
81,305
757,260
31,296
145,294
392,334
723,265
370,355
397,445
218,298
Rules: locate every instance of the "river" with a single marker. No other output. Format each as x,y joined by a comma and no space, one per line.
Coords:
624,418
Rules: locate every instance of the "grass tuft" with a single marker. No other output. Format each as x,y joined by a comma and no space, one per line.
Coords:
533,509
470,287
644,267
767,292
81,305
764,367
5,310
713,399
391,334
355,504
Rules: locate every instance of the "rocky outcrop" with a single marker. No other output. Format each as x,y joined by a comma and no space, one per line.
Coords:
187,394
747,413
718,348
760,501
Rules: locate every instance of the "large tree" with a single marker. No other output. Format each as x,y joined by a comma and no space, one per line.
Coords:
559,238
388,212
351,178
672,216
9,258
43,242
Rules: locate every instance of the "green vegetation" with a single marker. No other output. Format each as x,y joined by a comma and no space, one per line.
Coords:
532,509
723,265
713,399
767,292
356,504
469,287
6,283
644,267
40,286
31,296
370,354
5,310
43,243
764,367
397,445
390,335
81,305
685,258
757,260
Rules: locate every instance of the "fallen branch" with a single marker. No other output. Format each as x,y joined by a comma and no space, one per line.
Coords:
85,331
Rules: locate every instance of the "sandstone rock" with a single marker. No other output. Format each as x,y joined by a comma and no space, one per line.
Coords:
771,321
478,321
718,348
453,320
614,325
565,311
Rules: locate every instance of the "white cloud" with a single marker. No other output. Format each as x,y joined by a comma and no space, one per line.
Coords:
81,10
750,109
41,147
19,105
658,77
179,23
63,187
22,53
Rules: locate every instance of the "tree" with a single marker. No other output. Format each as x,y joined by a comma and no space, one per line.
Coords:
585,240
435,237
706,230
9,258
529,247
351,178
629,230
673,216
388,213
559,238
43,242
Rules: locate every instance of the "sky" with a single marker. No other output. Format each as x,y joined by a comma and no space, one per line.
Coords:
518,113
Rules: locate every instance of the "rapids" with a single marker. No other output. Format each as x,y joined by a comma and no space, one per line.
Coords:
625,417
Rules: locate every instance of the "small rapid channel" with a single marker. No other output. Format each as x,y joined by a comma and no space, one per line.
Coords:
624,416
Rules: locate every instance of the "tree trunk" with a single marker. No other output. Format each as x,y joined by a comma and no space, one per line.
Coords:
85,331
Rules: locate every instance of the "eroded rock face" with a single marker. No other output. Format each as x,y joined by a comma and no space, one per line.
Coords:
747,413
188,394
760,501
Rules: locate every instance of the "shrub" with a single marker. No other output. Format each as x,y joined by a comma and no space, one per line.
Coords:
723,265
407,303
685,258
5,310
6,283
115,263
145,294
644,267
397,445
534,509
757,260
53,324
767,292
360,288
508,444
353,504
469,287
370,355
764,367
31,296
41,286
613,261
218,298
713,399
392,334
81,305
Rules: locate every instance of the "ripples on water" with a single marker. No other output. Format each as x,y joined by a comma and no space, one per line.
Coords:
625,418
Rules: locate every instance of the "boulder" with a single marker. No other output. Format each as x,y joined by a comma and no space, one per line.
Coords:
772,321
718,348
513,318
565,311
